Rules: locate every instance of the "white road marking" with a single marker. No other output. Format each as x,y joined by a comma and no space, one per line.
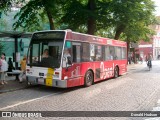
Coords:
158,102
156,109
153,119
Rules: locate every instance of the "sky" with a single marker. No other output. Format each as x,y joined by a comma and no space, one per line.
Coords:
157,4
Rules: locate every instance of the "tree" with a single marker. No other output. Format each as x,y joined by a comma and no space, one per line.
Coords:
3,24
35,12
5,5
135,32
86,15
126,14
91,23
1,48
107,16
74,15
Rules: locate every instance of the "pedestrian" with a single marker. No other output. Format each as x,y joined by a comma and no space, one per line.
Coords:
4,68
23,69
10,65
149,60
23,63
129,59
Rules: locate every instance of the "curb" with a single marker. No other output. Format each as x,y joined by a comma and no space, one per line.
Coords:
11,90
14,88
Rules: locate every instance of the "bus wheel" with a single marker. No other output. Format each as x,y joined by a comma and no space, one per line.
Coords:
88,79
116,72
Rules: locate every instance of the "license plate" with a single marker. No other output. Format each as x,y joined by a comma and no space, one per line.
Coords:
40,80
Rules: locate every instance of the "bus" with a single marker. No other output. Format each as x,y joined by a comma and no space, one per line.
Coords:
73,59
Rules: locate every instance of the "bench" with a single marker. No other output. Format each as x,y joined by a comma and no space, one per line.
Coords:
15,72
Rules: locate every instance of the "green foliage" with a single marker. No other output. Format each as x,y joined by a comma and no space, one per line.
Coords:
119,19
29,16
5,5
3,24
74,15
138,31
80,13
132,18
33,16
1,47
157,20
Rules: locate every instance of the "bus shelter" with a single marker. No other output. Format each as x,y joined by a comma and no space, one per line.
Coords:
15,35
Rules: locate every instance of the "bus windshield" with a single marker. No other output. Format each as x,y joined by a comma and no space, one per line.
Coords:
45,49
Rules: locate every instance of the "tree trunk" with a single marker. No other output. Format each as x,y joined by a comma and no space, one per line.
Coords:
117,35
119,30
50,18
91,26
91,23
128,50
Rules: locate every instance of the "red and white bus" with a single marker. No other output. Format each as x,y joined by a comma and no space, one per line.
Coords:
73,59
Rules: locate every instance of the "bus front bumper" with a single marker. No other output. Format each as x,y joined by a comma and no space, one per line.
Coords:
43,81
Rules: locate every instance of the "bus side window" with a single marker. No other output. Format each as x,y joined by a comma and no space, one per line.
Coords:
118,53
85,52
124,53
76,52
107,53
98,51
67,56
112,53
92,52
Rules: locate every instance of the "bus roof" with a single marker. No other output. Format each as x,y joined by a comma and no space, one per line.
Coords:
75,36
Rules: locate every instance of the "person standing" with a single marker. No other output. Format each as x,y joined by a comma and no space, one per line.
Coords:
23,64
10,65
4,68
23,68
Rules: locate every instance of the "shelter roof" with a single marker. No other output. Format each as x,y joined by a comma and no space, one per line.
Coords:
14,34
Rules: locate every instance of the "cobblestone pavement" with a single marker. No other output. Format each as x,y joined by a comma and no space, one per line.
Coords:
139,90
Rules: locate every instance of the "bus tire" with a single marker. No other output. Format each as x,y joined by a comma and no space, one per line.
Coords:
116,72
88,79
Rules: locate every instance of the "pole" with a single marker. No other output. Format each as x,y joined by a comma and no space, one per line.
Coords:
16,51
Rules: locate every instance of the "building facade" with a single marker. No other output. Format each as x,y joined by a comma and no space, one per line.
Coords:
144,48
152,47
156,43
